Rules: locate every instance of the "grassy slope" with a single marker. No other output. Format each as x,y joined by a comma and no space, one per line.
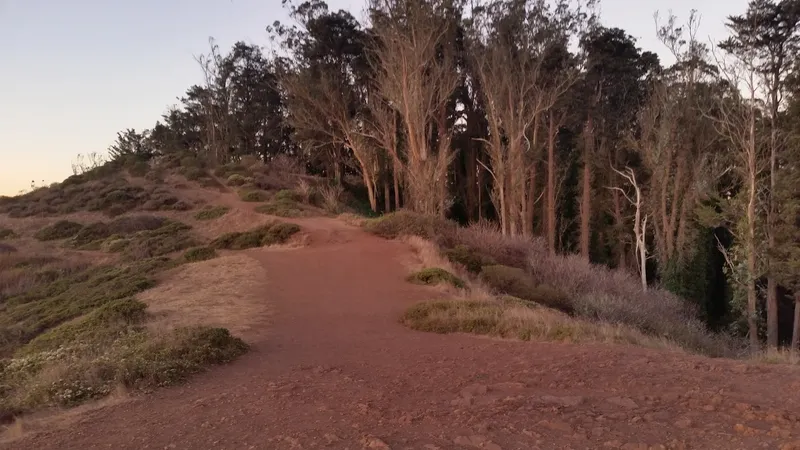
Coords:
72,330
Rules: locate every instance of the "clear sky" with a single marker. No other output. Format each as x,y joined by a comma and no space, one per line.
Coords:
73,73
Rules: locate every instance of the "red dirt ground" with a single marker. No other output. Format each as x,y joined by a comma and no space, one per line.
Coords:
334,369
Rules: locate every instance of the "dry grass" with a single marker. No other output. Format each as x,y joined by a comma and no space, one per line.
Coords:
524,268
352,219
223,292
20,273
514,319
778,356
331,198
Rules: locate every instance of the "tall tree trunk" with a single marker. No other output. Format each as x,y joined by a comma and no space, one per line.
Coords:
387,195
531,212
396,178
619,225
551,186
796,328
751,239
772,285
586,194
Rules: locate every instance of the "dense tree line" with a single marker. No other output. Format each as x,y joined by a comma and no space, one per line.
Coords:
533,114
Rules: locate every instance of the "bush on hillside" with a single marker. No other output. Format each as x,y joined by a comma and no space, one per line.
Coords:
7,233
269,234
211,212
515,282
472,260
434,275
196,254
253,196
403,222
60,230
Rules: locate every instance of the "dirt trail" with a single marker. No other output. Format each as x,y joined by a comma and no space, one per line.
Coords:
334,369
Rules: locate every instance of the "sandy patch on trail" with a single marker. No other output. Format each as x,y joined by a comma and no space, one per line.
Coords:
227,291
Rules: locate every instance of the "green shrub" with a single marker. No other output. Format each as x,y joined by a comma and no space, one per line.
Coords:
199,254
46,306
269,234
194,173
282,208
287,195
91,234
100,325
60,230
435,275
7,233
133,224
211,212
236,180
230,169
403,222
471,259
172,237
514,281
253,196
170,360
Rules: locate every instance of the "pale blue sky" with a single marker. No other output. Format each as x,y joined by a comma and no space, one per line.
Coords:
73,73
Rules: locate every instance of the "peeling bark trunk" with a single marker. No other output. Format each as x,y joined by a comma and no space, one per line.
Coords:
397,172
796,328
531,215
752,298
551,186
387,195
586,201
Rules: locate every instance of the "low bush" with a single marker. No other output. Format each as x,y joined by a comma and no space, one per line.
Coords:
269,234
472,260
172,237
486,240
434,275
7,248
48,305
196,254
227,171
282,208
238,180
25,273
287,195
403,222
90,236
7,233
60,230
211,212
253,196
515,282
331,198
97,235
515,319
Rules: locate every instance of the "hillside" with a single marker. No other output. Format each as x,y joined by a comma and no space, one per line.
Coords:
338,331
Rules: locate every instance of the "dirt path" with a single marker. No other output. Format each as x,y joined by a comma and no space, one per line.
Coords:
334,369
